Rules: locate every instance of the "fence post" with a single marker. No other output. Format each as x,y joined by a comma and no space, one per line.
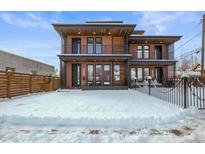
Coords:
30,83
149,80
8,83
185,90
53,83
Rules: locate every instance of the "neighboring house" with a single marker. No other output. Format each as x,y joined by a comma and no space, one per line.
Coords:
109,54
195,72
16,63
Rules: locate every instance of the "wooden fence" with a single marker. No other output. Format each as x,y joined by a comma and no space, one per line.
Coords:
15,84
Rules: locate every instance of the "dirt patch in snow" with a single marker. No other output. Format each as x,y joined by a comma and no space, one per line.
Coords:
177,132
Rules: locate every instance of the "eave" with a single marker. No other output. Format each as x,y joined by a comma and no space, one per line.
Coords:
94,57
154,39
154,61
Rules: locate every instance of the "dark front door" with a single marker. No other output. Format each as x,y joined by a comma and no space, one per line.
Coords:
158,52
158,74
76,75
76,45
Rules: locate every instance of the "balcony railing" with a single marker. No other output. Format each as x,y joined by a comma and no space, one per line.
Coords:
95,49
149,55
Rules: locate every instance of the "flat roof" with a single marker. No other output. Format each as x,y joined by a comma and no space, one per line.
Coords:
176,37
5,52
93,24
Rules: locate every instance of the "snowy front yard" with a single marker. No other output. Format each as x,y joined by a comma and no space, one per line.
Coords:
97,116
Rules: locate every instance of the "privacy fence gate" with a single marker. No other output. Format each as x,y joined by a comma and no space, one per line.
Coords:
184,92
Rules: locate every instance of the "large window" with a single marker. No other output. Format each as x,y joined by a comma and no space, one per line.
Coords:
116,72
139,74
146,72
98,74
90,74
90,45
106,74
133,73
146,51
98,45
139,51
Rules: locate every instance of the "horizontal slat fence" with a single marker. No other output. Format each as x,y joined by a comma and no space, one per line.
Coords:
15,84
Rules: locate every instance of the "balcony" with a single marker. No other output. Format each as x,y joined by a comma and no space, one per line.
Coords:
95,49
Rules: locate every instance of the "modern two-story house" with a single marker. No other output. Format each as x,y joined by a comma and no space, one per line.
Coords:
109,54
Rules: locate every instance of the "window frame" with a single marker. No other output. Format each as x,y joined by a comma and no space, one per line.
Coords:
141,52
101,80
96,43
118,75
93,80
146,50
104,75
92,45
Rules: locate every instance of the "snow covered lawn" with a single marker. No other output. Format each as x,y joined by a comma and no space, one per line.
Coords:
93,116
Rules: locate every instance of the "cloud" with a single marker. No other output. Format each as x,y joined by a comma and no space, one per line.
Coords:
26,20
159,22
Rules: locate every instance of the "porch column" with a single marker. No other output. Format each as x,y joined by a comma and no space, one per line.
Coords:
127,73
62,74
174,73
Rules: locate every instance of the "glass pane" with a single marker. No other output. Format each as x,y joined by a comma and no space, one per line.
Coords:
98,40
106,74
98,74
133,74
90,40
90,45
90,48
90,74
146,53
139,74
98,48
146,72
146,47
139,47
116,72
139,54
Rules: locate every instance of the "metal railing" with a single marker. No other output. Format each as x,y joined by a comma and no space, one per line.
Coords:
95,49
183,92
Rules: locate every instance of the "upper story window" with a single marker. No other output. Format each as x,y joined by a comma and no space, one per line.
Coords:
98,45
142,51
139,51
146,51
90,43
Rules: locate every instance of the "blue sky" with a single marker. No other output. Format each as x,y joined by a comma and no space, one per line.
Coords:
31,34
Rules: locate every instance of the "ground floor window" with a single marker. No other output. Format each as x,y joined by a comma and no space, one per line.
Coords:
107,74
90,79
98,74
116,72
139,73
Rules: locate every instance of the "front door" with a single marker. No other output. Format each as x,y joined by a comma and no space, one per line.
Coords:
76,75
158,74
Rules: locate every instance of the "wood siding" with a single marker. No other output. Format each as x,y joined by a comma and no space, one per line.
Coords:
15,84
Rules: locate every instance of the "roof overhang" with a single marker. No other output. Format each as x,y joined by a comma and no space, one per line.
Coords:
89,29
94,57
154,62
154,39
